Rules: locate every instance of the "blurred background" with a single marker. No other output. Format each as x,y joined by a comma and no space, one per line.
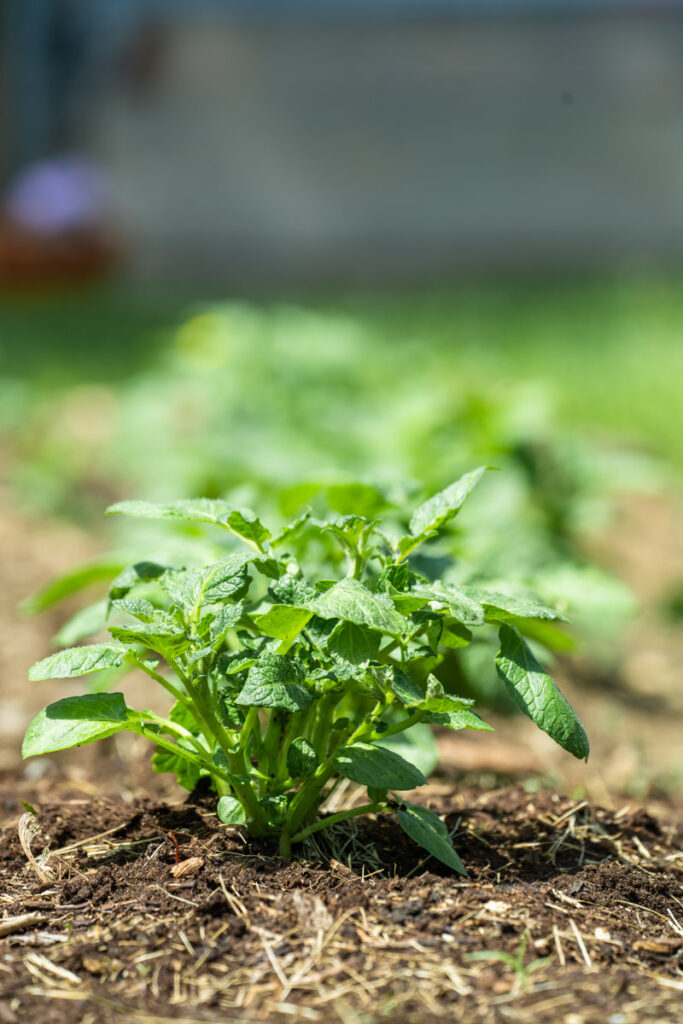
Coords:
260,249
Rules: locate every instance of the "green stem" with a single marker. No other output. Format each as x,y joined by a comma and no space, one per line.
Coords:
272,741
178,751
334,818
401,726
309,795
294,728
250,722
321,730
237,762
166,683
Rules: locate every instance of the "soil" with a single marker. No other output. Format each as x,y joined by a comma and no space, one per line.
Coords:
141,910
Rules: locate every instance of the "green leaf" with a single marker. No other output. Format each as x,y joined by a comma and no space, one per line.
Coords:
141,572
397,581
356,645
455,636
461,606
68,584
243,524
136,606
292,590
230,811
208,584
267,566
408,692
247,527
417,745
283,622
503,608
165,640
351,531
86,622
75,721
437,700
302,759
462,718
534,691
440,508
192,510
434,513
429,832
226,618
371,765
275,681
291,531
352,601
78,661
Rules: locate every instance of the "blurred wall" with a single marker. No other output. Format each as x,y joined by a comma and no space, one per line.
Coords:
362,147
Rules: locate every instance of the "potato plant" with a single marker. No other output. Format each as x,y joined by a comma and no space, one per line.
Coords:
284,684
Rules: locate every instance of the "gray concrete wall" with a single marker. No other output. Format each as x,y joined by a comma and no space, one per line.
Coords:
340,150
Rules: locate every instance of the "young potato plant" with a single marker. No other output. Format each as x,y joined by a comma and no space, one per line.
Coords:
284,685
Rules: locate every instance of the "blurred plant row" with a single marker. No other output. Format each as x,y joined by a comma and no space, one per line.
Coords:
298,413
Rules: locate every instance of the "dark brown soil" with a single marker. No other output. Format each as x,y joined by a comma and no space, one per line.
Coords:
148,911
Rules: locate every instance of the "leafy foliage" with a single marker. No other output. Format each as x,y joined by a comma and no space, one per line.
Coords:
287,676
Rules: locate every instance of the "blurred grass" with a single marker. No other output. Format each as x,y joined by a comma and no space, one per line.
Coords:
57,339
610,352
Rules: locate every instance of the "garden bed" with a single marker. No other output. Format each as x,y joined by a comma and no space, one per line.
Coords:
149,911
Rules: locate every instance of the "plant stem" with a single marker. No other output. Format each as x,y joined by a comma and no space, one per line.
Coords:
166,683
174,748
401,726
334,818
308,796
237,762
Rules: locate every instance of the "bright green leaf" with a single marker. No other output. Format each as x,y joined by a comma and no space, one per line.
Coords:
230,811
208,584
275,681
165,640
461,606
247,527
437,700
408,692
136,606
283,622
75,721
291,531
429,832
460,718
226,618
356,645
440,508
193,510
371,765
141,572
535,692
502,607
78,661
352,601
